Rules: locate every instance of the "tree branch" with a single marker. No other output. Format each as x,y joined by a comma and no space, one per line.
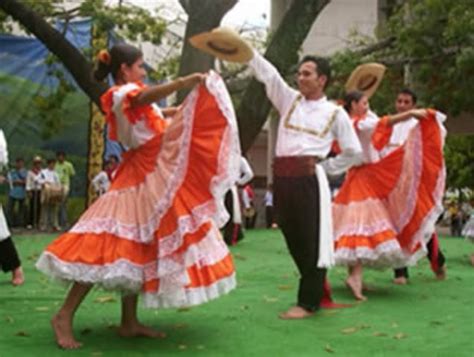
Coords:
70,56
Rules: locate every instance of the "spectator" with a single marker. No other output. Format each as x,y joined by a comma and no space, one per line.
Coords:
269,211
250,214
17,194
456,216
33,189
65,171
114,163
101,182
52,195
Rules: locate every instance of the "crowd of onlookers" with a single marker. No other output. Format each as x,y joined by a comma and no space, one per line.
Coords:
456,214
38,195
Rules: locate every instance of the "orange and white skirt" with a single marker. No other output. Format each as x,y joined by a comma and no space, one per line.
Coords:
385,212
156,230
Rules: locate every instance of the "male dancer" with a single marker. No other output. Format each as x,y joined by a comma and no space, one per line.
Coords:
309,123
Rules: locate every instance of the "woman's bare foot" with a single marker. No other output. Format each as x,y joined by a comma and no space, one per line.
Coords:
295,313
356,288
62,327
401,280
18,277
139,330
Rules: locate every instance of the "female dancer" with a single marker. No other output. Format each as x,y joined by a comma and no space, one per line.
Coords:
387,207
155,230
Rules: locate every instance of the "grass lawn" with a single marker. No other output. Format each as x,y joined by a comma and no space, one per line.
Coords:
425,318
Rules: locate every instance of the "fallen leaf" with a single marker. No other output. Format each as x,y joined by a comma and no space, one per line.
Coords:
349,330
285,287
399,336
200,347
22,334
244,307
105,299
436,323
328,348
86,331
270,299
180,326
239,256
42,308
379,334
9,319
394,325
364,326
182,347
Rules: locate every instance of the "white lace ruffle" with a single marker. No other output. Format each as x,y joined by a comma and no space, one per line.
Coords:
123,275
192,296
229,153
386,255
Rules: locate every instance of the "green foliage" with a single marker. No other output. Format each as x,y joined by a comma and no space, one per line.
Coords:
459,156
127,21
437,38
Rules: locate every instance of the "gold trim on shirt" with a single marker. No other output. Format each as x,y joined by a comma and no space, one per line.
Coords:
319,134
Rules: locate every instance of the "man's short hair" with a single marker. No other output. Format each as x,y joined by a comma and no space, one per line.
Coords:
323,67
409,92
60,153
18,159
51,161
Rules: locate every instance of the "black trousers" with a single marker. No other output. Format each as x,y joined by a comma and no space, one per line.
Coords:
269,216
35,208
232,232
403,272
297,204
9,259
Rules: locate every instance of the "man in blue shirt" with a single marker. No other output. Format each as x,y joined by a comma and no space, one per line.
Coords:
17,194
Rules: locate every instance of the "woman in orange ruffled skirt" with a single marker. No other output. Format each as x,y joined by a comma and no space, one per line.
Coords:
386,208
155,231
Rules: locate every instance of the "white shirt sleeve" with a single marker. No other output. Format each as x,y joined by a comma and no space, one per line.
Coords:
351,154
369,123
278,91
246,173
3,150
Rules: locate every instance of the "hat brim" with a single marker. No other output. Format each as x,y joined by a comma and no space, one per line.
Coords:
366,78
224,44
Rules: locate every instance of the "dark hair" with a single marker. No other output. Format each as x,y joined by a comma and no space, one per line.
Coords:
409,92
323,67
349,98
121,53
18,159
115,157
60,153
50,161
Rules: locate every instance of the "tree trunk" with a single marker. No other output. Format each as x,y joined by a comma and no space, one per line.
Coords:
203,15
74,61
283,53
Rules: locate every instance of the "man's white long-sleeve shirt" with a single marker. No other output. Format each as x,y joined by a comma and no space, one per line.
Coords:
308,127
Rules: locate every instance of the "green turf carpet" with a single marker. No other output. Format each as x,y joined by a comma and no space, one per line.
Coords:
425,318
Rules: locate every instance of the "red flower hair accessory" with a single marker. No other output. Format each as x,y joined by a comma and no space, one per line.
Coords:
104,57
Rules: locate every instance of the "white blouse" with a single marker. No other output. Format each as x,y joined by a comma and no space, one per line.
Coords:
365,128
308,127
128,134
